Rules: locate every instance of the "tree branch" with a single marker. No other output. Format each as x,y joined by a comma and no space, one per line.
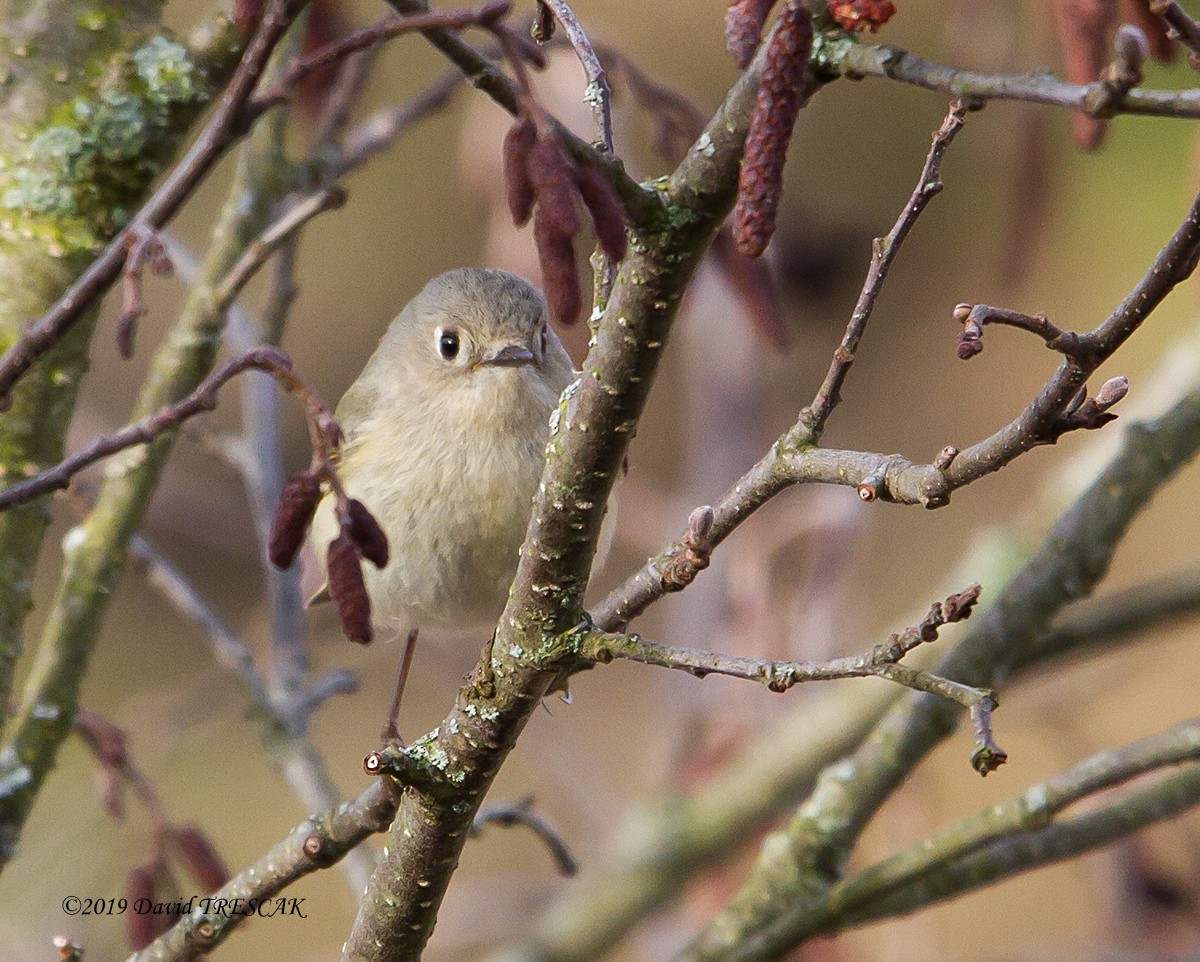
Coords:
794,460
168,419
1071,561
848,58
316,843
917,875
507,814
533,640
642,205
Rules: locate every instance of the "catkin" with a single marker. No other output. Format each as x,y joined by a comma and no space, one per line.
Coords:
780,97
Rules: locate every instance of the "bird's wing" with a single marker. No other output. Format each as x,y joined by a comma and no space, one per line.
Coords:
320,596
355,407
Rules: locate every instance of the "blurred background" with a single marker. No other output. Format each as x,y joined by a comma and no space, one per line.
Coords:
1027,221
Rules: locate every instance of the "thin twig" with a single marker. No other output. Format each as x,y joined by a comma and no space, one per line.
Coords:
260,250
364,38
641,204
508,814
883,252
203,399
882,661
870,60
378,132
598,94
1183,26
1055,410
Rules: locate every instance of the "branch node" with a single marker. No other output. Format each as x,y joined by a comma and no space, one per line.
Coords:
693,556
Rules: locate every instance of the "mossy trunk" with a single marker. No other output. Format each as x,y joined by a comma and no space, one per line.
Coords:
94,100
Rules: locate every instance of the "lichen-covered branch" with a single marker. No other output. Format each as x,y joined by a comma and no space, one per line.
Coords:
222,129
919,874
316,843
139,89
95,550
532,646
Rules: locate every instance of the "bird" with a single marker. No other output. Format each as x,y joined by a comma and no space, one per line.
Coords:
444,441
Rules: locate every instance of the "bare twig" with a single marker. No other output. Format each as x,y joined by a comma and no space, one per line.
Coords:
260,250
973,318
508,814
598,94
870,60
1183,26
883,252
321,423
145,247
883,661
1073,558
316,843
1056,409
378,132
383,30
640,203
223,129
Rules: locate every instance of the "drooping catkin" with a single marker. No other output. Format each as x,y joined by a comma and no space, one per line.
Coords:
1084,27
780,97
348,590
203,861
141,886
744,22
542,178
608,216
550,172
560,272
297,504
365,531
518,143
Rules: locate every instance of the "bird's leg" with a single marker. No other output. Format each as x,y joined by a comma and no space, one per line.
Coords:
391,730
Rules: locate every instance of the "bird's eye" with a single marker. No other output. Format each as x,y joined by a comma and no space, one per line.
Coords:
543,342
447,345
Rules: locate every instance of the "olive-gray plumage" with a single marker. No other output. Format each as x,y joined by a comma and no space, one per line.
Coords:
446,430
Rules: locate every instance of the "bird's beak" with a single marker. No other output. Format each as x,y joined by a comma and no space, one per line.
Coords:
511,355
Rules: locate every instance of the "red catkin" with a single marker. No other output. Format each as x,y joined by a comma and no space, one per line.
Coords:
142,928
518,143
1084,28
551,173
365,531
780,97
608,216
560,272
200,856
297,504
348,590
744,22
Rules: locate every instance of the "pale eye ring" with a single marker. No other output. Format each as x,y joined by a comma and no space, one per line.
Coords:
448,344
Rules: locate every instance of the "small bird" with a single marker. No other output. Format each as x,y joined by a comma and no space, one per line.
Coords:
445,436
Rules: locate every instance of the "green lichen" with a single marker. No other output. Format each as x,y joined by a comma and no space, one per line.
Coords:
72,186
828,52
